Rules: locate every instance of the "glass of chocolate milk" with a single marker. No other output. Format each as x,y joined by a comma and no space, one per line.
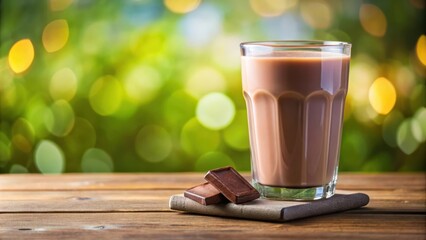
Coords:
295,95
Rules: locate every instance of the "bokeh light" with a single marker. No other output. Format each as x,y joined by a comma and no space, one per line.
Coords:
35,114
55,35
6,75
181,6
21,55
382,95
59,118
142,84
405,81
13,100
406,139
271,8
59,5
17,168
236,135
418,97
23,135
361,76
179,108
380,162
215,111
82,136
49,158
197,140
225,54
416,129
94,36
420,117
200,27
146,85
317,14
205,80
373,20
96,160
106,95
153,143
421,49
63,84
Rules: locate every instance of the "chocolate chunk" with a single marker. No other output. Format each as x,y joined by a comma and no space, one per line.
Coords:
232,185
205,194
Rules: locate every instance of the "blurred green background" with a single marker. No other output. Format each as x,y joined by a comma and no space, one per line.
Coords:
150,85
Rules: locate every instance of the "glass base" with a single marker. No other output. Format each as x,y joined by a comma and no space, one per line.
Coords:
296,194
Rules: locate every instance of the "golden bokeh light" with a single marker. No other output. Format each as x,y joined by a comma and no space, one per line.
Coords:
59,5
21,55
55,35
382,95
363,71
317,14
271,8
181,6
205,80
373,20
421,49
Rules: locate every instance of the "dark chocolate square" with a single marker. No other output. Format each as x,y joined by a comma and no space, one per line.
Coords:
205,194
232,185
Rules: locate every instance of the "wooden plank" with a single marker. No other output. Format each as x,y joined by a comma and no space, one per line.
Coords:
400,201
185,226
116,181
85,201
373,181
134,206
120,181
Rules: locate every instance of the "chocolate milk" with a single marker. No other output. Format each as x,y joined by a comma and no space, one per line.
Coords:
295,105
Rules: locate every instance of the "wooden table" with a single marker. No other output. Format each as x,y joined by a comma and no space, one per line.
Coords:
135,206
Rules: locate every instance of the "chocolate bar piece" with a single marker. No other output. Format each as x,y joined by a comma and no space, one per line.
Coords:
232,185
204,194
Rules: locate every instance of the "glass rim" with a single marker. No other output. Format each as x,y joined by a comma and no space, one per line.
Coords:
295,44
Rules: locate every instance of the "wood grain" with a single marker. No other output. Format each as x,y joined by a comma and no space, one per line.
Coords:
117,181
157,200
172,225
135,206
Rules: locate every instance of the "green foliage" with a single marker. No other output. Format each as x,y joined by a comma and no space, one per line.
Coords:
123,90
